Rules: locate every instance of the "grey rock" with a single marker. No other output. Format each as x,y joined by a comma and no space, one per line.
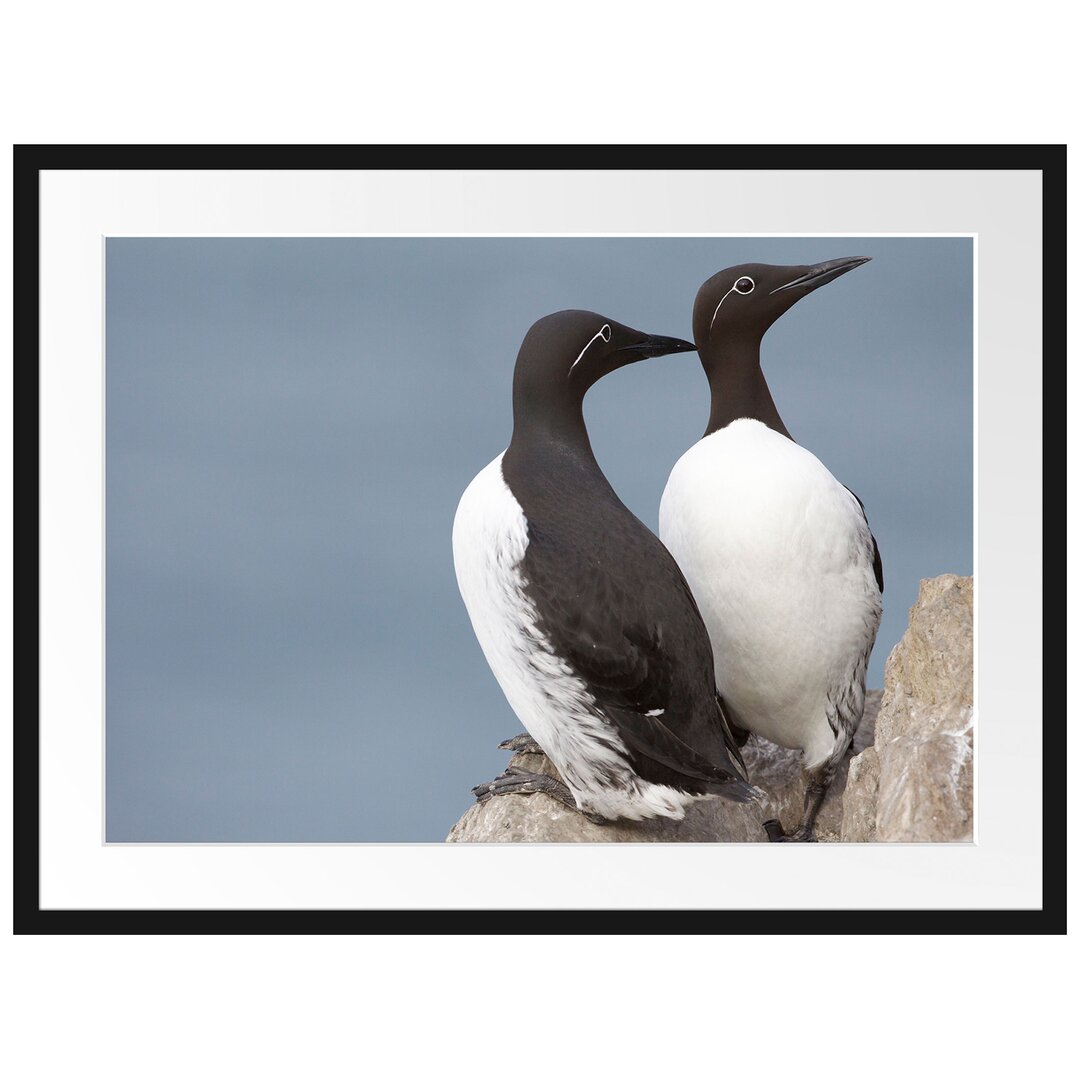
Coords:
859,825
924,735
915,783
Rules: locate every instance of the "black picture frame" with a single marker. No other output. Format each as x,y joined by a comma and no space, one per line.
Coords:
31,160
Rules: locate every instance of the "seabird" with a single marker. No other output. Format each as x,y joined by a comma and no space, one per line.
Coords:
584,617
778,553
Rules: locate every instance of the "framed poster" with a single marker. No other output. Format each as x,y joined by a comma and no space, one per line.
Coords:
267,374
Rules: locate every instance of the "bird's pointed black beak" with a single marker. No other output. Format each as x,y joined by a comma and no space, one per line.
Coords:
815,276
652,345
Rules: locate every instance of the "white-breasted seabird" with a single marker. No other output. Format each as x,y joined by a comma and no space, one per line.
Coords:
585,619
778,552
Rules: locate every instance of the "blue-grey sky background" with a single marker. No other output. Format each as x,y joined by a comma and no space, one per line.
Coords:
290,423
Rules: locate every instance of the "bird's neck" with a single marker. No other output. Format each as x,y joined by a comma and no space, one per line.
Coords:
552,472
737,386
556,431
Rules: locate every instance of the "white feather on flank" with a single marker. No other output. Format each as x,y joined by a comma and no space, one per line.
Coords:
554,704
779,557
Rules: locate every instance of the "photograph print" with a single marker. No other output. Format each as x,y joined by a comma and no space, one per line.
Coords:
514,539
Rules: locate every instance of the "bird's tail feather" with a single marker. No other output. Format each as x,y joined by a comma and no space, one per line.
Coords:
730,742
742,792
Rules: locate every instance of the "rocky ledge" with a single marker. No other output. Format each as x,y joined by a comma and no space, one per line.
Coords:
915,783
908,777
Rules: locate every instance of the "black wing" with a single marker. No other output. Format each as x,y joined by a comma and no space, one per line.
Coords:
879,573
638,642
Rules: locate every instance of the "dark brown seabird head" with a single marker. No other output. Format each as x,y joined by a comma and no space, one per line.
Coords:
564,354
732,312
742,302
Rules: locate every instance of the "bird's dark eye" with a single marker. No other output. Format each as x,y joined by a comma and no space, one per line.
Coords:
744,285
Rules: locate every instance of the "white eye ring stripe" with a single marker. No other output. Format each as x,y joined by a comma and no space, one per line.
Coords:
604,333
745,277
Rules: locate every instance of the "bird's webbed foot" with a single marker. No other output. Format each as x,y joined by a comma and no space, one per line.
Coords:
518,781
816,789
776,834
522,744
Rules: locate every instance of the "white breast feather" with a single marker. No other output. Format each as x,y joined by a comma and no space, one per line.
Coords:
780,560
